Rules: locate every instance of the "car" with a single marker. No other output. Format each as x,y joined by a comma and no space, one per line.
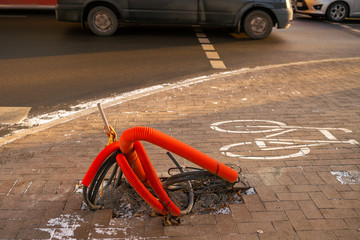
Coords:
255,17
333,10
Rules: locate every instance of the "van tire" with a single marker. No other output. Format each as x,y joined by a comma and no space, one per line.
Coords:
102,21
258,24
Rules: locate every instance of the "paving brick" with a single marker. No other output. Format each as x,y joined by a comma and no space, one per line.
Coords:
33,233
200,219
185,230
347,234
298,220
319,235
284,179
353,223
266,194
269,236
240,237
292,196
313,178
11,228
240,213
285,230
328,178
351,195
74,201
345,203
299,179
281,205
253,202
254,227
303,188
321,200
339,213
208,230
328,224
310,210
268,216
330,192
225,224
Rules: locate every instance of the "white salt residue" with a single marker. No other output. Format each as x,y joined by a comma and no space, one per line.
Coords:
68,224
225,210
49,117
108,231
250,191
347,177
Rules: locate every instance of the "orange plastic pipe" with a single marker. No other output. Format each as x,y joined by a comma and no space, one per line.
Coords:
154,180
128,137
138,185
96,164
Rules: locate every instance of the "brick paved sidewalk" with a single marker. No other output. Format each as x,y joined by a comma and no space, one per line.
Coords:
298,194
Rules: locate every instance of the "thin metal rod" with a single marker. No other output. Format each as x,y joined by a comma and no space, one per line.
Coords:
103,117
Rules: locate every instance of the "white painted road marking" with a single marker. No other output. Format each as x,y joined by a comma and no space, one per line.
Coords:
209,49
301,147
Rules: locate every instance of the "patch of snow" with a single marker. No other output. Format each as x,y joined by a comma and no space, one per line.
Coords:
68,224
250,191
347,177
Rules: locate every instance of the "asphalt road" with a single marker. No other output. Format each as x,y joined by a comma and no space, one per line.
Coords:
49,65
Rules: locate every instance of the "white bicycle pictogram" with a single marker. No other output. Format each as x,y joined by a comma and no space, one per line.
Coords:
270,141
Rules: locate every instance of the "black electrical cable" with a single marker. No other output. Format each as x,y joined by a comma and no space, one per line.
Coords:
118,180
111,162
91,192
112,175
190,189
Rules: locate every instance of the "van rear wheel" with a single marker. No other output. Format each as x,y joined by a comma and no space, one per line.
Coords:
258,24
102,21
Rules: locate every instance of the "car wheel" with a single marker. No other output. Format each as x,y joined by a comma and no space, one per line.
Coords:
102,21
258,24
337,12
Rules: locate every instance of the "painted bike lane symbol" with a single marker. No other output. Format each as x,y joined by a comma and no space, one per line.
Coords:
271,141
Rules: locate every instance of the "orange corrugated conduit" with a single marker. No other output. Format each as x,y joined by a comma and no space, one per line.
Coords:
171,144
139,171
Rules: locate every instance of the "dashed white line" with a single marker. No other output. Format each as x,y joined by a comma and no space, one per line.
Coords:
217,64
212,55
209,49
